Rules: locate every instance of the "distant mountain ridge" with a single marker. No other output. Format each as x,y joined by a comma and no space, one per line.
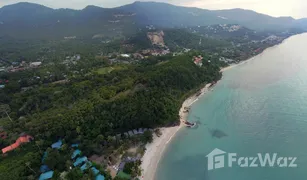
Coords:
36,21
27,20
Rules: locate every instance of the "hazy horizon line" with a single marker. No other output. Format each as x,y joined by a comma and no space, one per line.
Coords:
149,2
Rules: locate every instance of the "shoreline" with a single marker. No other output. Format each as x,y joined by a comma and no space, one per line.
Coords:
154,150
234,65
230,66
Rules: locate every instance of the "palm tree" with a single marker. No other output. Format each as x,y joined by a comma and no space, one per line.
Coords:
5,109
38,144
28,165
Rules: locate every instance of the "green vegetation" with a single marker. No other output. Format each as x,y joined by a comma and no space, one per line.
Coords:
12,49
133,168
21,164
91,108
104,99
107,70
147,137
122,176
102,95
85,92
176,38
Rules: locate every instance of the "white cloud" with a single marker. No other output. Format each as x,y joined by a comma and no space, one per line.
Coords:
295,8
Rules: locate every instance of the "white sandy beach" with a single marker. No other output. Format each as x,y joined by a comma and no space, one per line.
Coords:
228,67
154,150
234,65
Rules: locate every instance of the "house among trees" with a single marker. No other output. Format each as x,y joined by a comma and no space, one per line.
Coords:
19,141
80,161
99,177
75,153
44,168
57,145
75,145
198,60
125,55
95,170
35,64
141,131
86,166
46,175
135,132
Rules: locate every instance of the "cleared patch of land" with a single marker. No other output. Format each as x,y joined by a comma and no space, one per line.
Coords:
107,70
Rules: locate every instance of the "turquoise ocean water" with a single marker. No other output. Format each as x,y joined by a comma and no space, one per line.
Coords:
260,107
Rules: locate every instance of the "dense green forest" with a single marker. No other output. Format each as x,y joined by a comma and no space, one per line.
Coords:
117,101
93,107
92,100
12,49
176,38
101,76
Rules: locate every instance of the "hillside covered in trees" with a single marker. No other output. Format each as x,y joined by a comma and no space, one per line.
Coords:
93,107
27,20
90,76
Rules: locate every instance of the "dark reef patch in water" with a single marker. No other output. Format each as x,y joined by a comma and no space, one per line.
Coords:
216,133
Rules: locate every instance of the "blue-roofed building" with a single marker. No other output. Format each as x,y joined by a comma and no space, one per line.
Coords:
46,175
57,145
44,168
44,156
86,165
135,132
141,131
2,86
80,160
75,153
100,177
121,166
74,145
95,170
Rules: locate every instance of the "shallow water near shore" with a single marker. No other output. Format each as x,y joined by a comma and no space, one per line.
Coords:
257,107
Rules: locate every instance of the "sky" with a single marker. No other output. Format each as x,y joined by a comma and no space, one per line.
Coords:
294,8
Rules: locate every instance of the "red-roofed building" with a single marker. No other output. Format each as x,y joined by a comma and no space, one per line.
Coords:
17,69
19,141
198,60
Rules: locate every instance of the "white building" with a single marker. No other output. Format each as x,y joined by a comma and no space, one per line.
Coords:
35,64
125,55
